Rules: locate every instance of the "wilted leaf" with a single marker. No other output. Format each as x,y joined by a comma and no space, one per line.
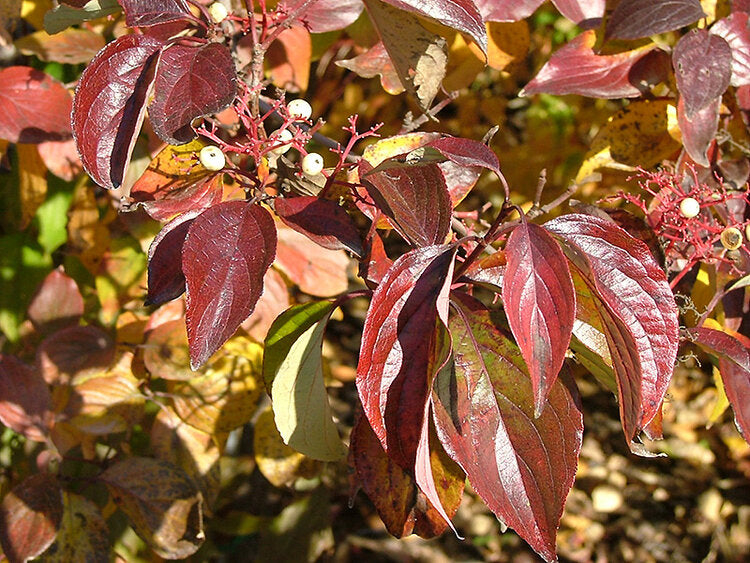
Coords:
576,68
734,30
109,106
34,107
191,81
25,400
56,304
539,300
62,16
226,253
293,372
161,501
698,131
419,56
72,46
74,350
398,346
640,18
703,68
525,476
83,534
30,516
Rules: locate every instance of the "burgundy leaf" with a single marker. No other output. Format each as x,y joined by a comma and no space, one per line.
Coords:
698,131
734,30
641,18
734,366
34,107
56,304
640,310
322,221
73,350
583,12
377,265
539,300
576,69
507,10
398,347
414,197
165,278
25,400
467,152
226,253
164,196
109,106
328,15
30,516
144,13
522,467
191,81
461,15
703,68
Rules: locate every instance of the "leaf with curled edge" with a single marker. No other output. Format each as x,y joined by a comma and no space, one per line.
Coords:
637,309
576,68
703,69
734,30
191,81
539,301
461,15
734,365
226,253
414,197
145,13
34,107
162,502
640,18
398,344
30,516
25,400
522,467
109,106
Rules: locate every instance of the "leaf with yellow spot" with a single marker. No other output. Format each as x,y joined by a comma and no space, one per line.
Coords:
641,134
32,181
83,533
226,395
278,463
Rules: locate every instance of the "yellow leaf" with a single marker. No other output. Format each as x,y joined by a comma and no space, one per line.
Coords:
33,11
32,181
83,533
507,43
640,134
88,236
463,64
722,402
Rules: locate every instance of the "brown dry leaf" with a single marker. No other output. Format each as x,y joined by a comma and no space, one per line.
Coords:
278,463
193,450
419,56
70,46
32,181
226,395
88,236
162,502
83,535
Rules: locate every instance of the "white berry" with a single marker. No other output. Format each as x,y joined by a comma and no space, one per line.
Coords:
312,164
299,109
689,207
212,158
218,12
282,140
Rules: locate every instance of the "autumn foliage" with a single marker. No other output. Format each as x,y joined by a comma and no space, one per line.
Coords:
146,326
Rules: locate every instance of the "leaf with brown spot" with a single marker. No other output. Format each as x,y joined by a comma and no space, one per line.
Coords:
83,534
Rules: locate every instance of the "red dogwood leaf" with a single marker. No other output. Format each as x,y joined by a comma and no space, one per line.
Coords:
640,18
507,11
25,400
320,220
575,68
461,15
523,467
540,303
698,131
34,107
703,68
734,30
56,304
226,253
398,344
30,516
165,278
734,366
328,15
466,152
414,197
74,350
191,81
582,12
109,106
144,13
641,316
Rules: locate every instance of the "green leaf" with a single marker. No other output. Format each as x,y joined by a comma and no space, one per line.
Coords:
52,215
62,17
293,372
